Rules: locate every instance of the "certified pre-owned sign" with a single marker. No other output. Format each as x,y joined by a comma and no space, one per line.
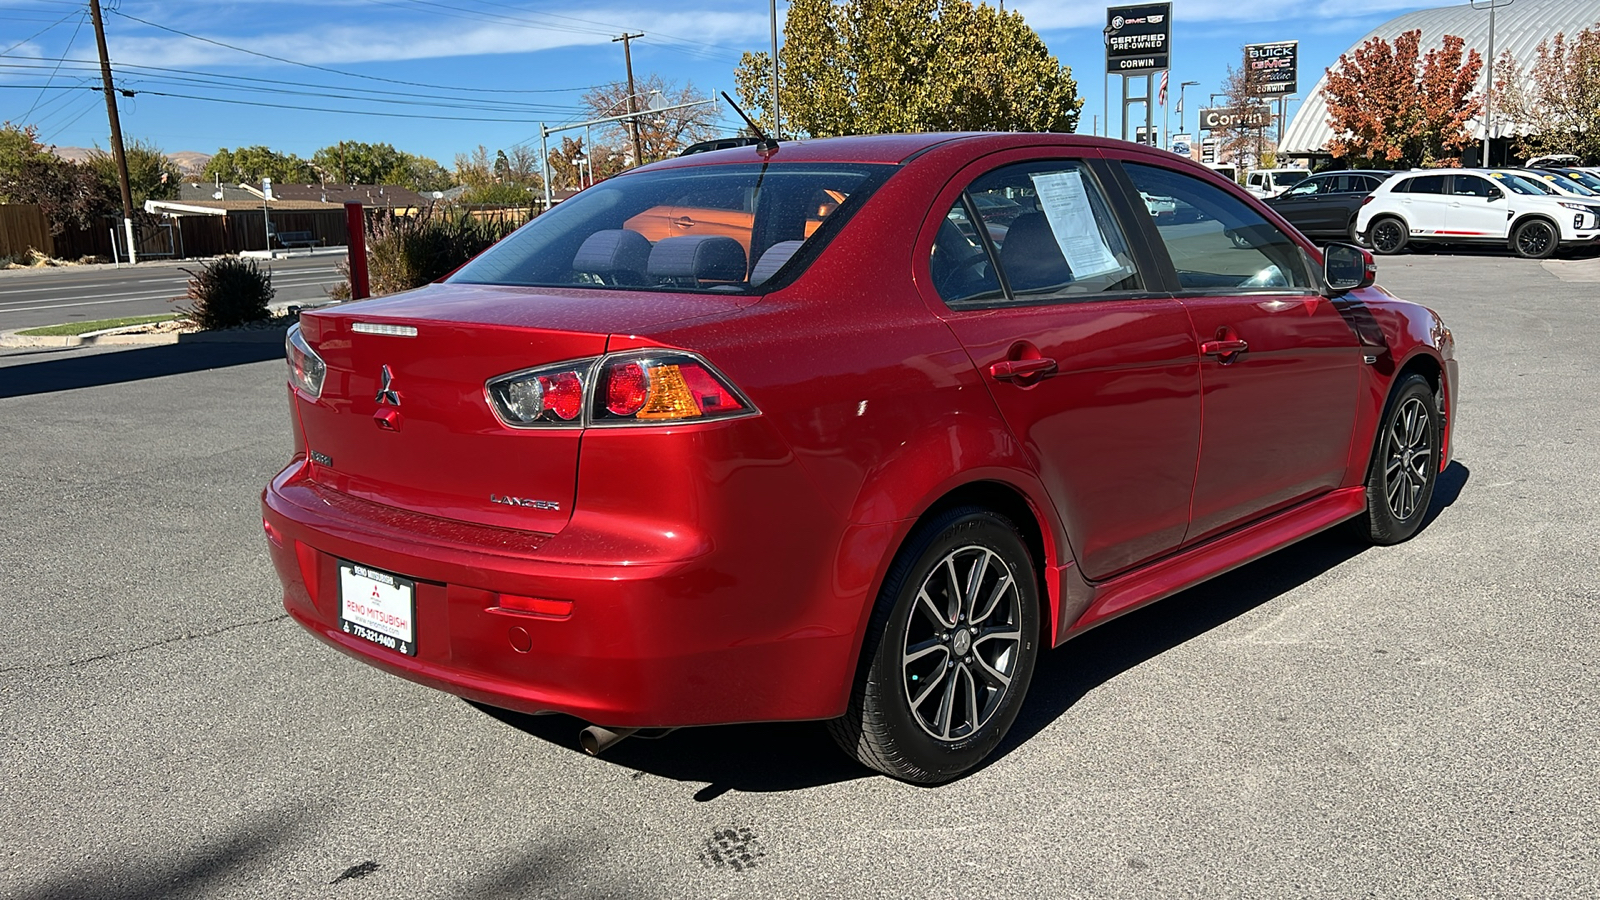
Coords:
1138,38
1272,68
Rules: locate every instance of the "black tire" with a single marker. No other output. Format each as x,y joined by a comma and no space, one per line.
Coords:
1388,235
984,663
1404,466
1535,239
1355,236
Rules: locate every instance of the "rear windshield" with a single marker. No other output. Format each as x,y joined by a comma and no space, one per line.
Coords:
727,229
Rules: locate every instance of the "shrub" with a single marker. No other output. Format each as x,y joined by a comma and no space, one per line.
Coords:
228,293
405,252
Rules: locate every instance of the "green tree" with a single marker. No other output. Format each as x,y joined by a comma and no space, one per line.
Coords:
1555,104
66,192
876,66
502,179
1391,106
355,162
151,175
248,165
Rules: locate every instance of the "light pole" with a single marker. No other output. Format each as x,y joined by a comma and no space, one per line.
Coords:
1488,74
1181,86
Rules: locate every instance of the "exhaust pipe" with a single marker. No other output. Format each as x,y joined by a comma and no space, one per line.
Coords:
596,740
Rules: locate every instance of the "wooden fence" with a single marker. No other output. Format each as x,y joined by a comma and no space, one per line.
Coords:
23,228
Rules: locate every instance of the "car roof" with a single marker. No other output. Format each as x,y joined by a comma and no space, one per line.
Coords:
895,148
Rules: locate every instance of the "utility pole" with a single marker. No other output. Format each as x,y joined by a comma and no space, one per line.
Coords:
777,118
633,123
116,129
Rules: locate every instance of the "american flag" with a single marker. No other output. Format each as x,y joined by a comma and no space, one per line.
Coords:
1163,87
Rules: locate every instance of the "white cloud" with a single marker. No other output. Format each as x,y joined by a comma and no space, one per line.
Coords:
394,38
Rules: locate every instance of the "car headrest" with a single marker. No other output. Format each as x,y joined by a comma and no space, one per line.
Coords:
773,259
614,252
1030,256
702,257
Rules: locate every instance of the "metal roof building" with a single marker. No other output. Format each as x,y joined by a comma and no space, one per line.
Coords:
1518,28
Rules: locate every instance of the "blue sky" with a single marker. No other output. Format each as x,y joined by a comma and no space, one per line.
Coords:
524,61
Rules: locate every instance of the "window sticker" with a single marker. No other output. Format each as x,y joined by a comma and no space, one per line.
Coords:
1066,207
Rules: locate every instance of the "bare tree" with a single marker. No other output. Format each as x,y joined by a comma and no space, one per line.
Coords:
662,133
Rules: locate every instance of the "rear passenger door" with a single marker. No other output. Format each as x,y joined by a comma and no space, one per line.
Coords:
1094,372
1279,366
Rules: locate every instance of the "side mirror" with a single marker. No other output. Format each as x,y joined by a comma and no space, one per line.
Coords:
1496,194
1348,268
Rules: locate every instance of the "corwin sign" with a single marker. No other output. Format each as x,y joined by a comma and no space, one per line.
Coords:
1138,38
1235,117
1272,69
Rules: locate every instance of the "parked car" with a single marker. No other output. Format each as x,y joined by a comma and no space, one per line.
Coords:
1272,182
1557,182
865,473
1325,205
1471,206
1584,177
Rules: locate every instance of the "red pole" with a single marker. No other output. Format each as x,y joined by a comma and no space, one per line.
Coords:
356,223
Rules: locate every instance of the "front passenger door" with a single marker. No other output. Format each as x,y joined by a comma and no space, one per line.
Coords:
1279,366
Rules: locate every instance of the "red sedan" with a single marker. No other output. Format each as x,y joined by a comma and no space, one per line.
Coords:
828,444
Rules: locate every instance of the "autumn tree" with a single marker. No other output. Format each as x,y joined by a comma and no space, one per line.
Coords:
1238,141
877,66
503,178
248,165
1390,106
662,132
1555,103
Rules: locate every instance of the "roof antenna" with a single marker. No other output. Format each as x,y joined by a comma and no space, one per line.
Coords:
768,146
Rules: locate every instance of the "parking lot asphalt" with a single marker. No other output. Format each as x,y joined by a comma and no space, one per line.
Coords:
1330,722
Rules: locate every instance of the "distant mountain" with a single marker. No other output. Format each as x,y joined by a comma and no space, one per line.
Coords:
190,162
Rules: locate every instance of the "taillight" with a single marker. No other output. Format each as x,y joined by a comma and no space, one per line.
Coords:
306,368
637,387
1367,199
663,386
551,395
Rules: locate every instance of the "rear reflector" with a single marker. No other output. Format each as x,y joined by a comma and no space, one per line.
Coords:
537,606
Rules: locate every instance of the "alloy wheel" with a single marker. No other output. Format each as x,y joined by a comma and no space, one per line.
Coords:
963,642
1386,236
1533,240
1410,455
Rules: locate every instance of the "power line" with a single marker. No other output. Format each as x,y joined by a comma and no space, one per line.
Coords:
53,72
39,32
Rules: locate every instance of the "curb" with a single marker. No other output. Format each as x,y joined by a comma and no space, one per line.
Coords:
117,337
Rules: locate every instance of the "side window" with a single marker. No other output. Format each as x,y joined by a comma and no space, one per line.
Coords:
1052,233
1426,184
1472,186
1224,246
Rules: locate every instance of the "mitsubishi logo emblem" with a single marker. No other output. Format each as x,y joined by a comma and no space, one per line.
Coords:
386,392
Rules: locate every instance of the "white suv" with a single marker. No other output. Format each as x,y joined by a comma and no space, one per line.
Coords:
1466,206
1272,182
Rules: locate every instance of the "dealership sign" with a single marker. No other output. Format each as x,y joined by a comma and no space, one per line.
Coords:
1138,38
1272,69
1223,117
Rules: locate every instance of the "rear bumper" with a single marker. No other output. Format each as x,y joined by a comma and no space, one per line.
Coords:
687,630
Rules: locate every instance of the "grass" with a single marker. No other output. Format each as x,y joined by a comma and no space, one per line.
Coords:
71,328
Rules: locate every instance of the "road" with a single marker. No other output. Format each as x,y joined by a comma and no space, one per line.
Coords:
30,298
1419,721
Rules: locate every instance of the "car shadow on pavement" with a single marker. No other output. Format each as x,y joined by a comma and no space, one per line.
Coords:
784,756
1065,676
120,366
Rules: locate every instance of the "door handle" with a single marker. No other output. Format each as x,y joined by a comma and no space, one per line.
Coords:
1010,369
1223,348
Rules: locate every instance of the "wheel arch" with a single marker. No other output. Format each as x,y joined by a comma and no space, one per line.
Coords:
1525,218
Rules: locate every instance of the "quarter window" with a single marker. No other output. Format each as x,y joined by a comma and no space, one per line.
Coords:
1222,245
